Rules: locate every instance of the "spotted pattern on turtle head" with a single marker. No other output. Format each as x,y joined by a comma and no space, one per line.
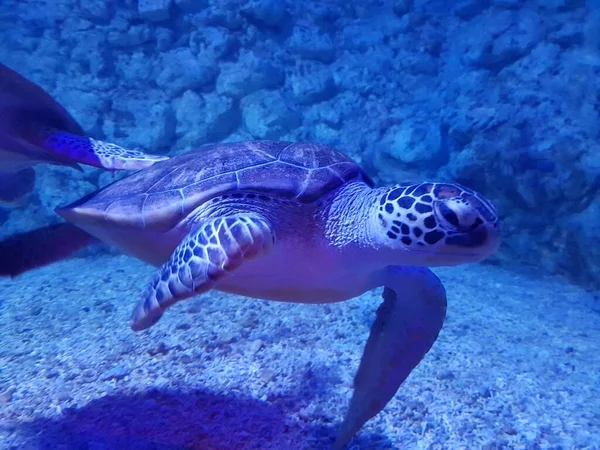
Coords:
433,214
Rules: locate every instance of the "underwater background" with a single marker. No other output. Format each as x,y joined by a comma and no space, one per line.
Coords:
502,96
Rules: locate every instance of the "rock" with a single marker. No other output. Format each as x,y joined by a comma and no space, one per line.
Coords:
129,36
360,36
4,215
6,395
89,376
362,72
86,108
212,43
161,383
247,75
92,52
217,14
203,118
267,116
464,123
580,258
226,337
310,43
267,375
508,4
148,122
255,346
563,5
505,37
135,68
568,35
97,9
433,37
116,373
191,5
326,135
182,70
160,349
517,41
323,14
60,185
154,10
420,64
268,12
164,38
414,144
467,9
401,7
445,375
312,82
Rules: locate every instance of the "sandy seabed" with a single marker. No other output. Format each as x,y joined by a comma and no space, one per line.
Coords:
516,366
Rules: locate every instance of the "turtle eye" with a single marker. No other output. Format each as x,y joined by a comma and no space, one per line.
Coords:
448,215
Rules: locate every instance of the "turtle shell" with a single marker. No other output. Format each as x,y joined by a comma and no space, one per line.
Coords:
159,197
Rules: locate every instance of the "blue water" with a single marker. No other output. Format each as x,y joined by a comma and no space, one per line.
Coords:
501,96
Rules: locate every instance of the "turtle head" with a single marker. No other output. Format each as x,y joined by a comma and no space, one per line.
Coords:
436,224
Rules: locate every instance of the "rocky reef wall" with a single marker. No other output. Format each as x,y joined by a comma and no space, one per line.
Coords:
501,95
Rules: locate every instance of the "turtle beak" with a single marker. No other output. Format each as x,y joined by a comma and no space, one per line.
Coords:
492,240
477,244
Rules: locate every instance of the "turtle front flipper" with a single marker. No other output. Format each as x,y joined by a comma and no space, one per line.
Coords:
93,152
407,324
212,250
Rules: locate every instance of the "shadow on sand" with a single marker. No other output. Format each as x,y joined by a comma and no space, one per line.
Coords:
171,420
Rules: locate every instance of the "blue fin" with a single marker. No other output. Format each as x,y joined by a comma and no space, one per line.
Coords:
37,248
92,152
13,186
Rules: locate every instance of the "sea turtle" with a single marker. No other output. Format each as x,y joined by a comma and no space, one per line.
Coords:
294,222
36,129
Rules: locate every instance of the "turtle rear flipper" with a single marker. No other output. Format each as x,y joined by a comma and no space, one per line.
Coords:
93,152
408,323
36,248
13,186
